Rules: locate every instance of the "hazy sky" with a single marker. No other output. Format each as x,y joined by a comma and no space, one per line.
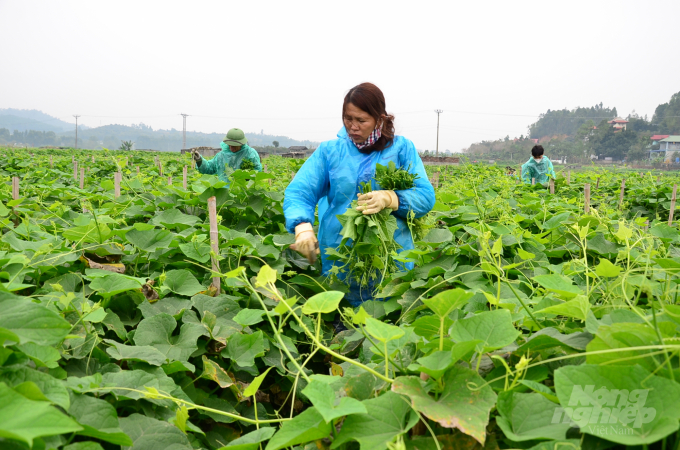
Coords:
284,66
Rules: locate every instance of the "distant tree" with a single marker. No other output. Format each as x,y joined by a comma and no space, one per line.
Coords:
126,145
275,144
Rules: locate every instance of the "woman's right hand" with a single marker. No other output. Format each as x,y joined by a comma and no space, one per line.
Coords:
196,155
305,242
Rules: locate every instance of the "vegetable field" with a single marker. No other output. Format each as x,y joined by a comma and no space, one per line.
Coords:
531,319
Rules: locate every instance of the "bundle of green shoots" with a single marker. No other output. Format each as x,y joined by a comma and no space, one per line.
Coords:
368,247
247,164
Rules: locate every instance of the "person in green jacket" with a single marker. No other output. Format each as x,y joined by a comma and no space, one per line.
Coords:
235,150
539,167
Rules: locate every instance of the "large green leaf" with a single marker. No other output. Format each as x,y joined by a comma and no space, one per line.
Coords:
30,321
172,218
151,434
622,336
458,406
182,282
250,441
493,328
144,353
244,348
24,420
139,380
325,302
591,394
323,398
42,355
200,251
578,308
525,417
98,419
384,332
445,302
387,416
158,332
51,388
149,240
558,283
305,427
113,284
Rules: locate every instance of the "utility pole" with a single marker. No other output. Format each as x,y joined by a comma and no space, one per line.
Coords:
184,131
438,111
76,131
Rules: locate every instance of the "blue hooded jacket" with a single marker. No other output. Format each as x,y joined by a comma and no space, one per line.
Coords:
226,157
331,178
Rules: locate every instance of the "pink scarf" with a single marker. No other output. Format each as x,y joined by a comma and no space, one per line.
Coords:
372,139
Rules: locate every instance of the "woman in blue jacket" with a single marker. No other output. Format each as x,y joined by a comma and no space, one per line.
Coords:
331,178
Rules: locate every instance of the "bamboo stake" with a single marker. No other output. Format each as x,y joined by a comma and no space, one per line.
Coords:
75,170
82,177
92,158
169,181
672,212
51,162
212,215
116,184
568,176
658,179
184,177
533,181
586,191
160,167
597,185
623,188
647,225
137,170
552,185
15,188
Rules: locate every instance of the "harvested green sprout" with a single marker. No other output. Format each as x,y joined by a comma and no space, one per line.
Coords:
368,247
247,164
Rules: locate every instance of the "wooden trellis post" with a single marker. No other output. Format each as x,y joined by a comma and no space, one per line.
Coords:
75,170
169,181
658,179
672,211
160,167
116,184
214,235
184,177
552,185
82,177
93,159
51,162
586,205
533,181
597,185
15,188
623,188
137,170
568,176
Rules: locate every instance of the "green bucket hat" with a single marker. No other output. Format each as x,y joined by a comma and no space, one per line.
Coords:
234,137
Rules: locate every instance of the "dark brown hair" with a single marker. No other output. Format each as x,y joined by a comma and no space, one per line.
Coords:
370,99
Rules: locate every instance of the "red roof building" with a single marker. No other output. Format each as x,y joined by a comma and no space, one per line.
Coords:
658,137
618,123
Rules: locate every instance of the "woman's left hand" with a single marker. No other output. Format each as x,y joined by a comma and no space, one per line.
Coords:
376,201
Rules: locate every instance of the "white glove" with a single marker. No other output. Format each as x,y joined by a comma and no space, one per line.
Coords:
196,156
305,242
376,201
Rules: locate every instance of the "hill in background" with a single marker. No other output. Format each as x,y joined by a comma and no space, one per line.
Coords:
34,128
